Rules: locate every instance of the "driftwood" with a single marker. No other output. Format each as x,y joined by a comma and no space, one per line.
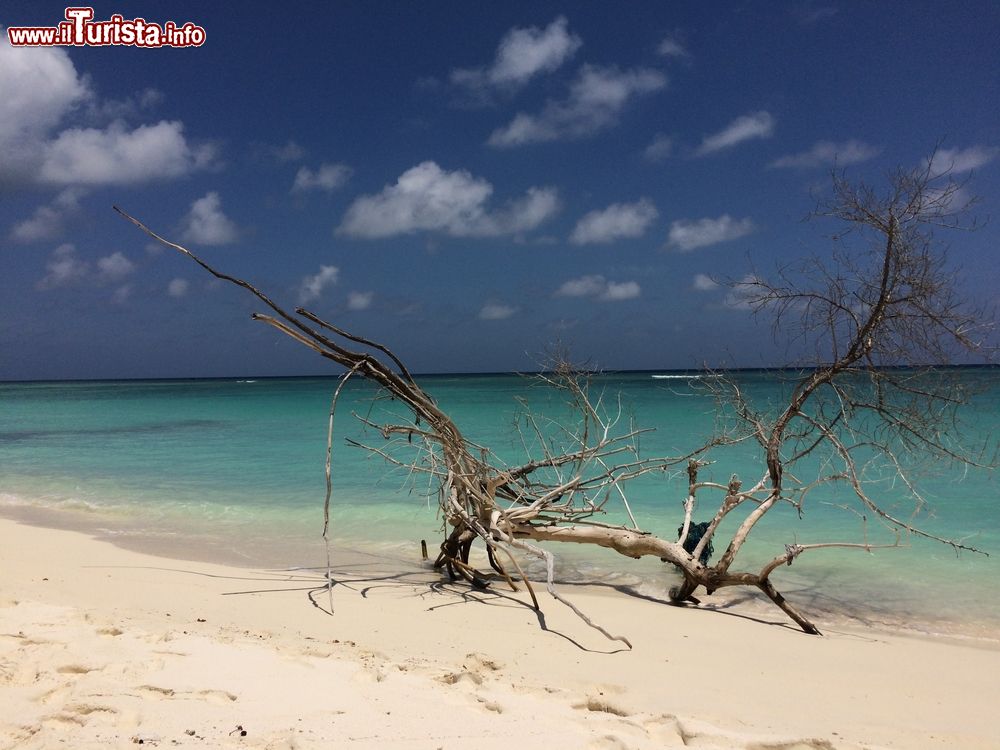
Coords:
891,306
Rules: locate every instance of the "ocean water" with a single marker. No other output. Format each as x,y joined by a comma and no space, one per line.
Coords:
233,470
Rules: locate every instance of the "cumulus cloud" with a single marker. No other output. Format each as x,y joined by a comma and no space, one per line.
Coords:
63,268
672,47
328,177
962,160
114,267
686,235
827,153
178,287
620,290
428,198
496,311
521,55
704,283
661,147
205,223
118,156
596,99
617,221
360,300
49,220
744,128
598,287
312,286
40,88
584,286
950,197
130,107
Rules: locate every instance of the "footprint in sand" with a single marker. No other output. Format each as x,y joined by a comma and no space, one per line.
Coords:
85,709
218,697
481,663
17,674
52,696
601,705
490,705
77,669
608,742
467,679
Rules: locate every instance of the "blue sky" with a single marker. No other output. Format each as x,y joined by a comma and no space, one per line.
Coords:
468,183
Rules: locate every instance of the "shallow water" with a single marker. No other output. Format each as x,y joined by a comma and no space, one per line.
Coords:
232,470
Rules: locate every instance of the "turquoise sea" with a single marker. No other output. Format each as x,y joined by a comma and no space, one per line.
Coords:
233,470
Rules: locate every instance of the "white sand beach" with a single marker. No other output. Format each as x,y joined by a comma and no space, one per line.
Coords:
104,647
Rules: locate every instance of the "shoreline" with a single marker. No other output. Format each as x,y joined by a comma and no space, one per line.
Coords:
104,645
575,569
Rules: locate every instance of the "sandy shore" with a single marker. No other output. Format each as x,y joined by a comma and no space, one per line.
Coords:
101,646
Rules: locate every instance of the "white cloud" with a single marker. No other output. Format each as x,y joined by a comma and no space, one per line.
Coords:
114,267
312,286
661,147
962,160
40,88
178,287
428,198
598,287
124,109
48,221
291,151
672,47
359,300
949,198
496,311
596,99
523,54
328,177
118,156
620,290
704,283
205,223
744,128
64,268
686,235
827,153
584,286
742,293
525,213
615,222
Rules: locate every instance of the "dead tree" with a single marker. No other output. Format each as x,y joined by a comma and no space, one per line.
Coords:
894,305
880,322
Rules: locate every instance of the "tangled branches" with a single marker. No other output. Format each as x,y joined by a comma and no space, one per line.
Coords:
893,304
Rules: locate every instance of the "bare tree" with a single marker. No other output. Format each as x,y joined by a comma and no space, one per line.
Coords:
881,321
866,315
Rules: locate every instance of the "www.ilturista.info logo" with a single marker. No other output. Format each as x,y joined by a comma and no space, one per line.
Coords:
79,29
